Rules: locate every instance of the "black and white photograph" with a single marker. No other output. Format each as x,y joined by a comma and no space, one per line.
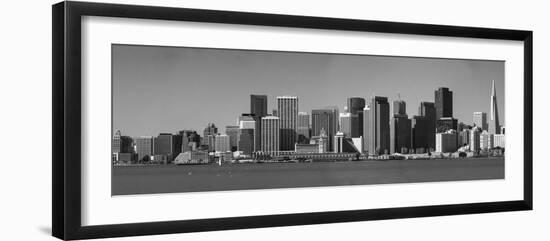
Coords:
188,119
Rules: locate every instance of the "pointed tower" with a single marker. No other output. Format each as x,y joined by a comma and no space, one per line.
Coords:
494,125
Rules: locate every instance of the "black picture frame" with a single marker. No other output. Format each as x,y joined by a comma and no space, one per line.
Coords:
66,127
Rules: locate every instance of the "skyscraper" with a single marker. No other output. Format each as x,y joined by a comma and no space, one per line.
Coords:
355,108
399,107
233,133
475,144
400,128
345,124
248,140
443,103
326,120
252,121
208,138
258,105
428,111
287,110
480,119
303,127
420,129
270,135
377,126
494,125
258,109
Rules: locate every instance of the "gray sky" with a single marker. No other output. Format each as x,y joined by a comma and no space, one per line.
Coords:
166,89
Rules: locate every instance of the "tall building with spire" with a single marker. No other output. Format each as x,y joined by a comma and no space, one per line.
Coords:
494,125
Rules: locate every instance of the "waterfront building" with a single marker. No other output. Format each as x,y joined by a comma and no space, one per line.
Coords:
222,143
486,140
446,142
190,140
480,119
475,138
428,110
494,125
343,144
287,110
325,120
306,148
445,124
144,148
270,135
345,123
377,126
355,107
125,158
192,157
303,128
233,133
499,140
322,141
358,143
443,103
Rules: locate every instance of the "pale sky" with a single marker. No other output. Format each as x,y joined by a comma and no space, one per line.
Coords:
167,89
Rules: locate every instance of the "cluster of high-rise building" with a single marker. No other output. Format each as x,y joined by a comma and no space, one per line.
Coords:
370,127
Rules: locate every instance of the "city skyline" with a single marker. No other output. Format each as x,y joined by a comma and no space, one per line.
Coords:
136,105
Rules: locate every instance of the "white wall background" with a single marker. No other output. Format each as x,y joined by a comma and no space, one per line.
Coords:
25,104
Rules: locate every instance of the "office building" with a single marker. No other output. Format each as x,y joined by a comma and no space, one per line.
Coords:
287,110
258,105
246,141
399,107
480,119
121,144
303,128
443,103
464,138
208,133
355,107
326,120
250,121
167,145
345,123
446,142
270,135
233,133
494,124
358,143
475,144
400,134
144,148
377,126
420,129
428,110
486,140
445,124
222,143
